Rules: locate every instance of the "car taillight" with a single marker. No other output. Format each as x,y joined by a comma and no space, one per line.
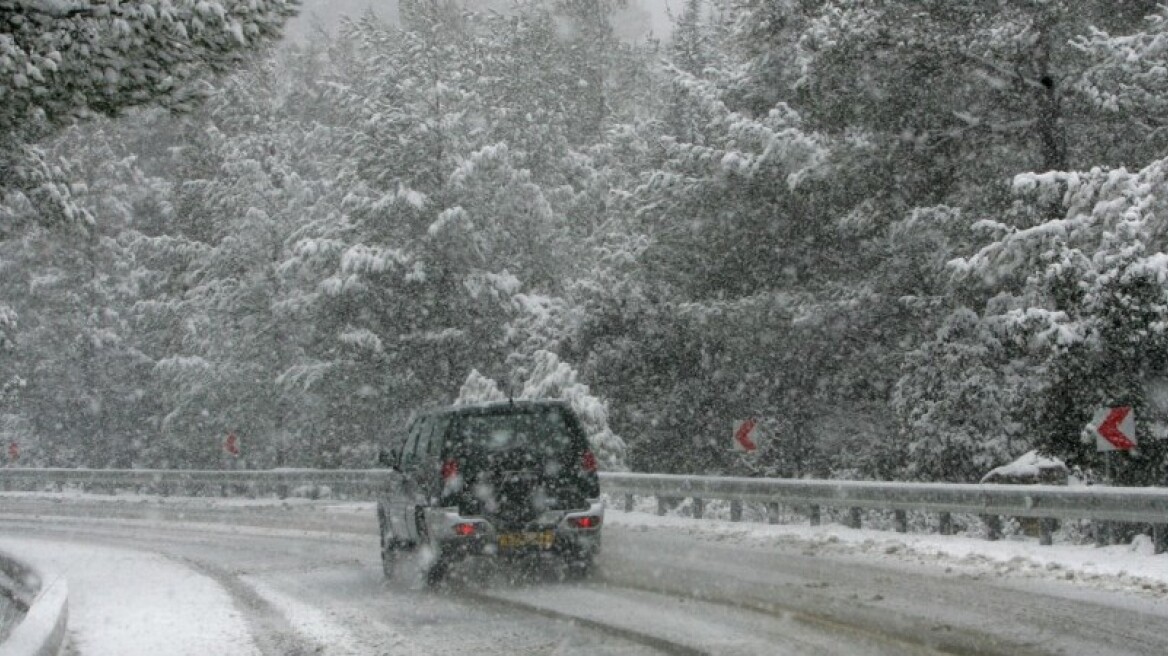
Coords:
465,529
449,470
585,522
588,462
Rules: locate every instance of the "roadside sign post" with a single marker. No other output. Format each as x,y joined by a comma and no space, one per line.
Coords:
231,453
1114,429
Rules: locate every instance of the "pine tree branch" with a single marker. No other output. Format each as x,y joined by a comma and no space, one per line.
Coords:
1003,72
61,8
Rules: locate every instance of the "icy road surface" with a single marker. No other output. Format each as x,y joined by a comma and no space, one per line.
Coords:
170,576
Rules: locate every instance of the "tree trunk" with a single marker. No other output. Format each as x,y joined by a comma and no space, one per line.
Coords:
1051,132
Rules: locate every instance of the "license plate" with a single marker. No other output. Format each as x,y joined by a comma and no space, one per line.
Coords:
541,539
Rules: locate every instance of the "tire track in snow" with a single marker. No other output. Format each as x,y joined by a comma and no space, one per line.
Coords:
270,628
686,626
648,639
299,599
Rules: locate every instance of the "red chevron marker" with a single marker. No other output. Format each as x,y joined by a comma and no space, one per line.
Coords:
1115,428
742,440
231,445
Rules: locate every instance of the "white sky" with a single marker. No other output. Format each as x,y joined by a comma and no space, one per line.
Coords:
640,19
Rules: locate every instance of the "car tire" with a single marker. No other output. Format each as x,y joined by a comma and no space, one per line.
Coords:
389,556
579,568
391,548
437,569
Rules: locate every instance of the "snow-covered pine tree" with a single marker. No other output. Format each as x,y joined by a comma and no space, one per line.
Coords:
75,284
1086,295
455,237
63,60
936,108
228,313
708,331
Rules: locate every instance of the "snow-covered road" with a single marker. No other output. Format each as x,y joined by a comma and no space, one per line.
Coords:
172,576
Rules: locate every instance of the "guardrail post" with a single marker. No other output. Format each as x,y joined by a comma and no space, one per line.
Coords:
699,508
1046,531
993,525
1102,531
661,505
282,491
735,511
813,513
628,503
772,512
854,517
1160,538
900,521
946,523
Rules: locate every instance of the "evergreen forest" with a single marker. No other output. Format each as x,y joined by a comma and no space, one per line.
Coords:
915,238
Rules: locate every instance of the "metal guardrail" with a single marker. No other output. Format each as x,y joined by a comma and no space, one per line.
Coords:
358,483
1046,503
1147,505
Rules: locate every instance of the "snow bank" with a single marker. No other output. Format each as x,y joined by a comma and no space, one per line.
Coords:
126,603
42,630
1029,467
1131,568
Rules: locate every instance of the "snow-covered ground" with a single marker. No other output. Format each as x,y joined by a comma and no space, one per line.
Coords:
1132,568
124,602
8,615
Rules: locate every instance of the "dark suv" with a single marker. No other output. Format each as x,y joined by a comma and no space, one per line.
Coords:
514,478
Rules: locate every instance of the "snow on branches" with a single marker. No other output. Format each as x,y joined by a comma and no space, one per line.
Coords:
1128,72
64,60
545,376
1066,276
7,328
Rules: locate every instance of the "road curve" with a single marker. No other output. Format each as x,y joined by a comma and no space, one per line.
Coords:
317,588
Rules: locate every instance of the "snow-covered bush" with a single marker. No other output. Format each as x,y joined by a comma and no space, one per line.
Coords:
479,389
545,376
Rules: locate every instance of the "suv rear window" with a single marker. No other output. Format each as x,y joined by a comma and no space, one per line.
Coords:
546,431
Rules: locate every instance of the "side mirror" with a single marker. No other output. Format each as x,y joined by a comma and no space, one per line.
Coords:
387,458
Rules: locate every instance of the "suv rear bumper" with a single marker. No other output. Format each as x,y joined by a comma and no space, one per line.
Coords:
568,538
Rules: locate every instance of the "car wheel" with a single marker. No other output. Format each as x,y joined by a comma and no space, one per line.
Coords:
389,555
391,548
579,568
436,571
